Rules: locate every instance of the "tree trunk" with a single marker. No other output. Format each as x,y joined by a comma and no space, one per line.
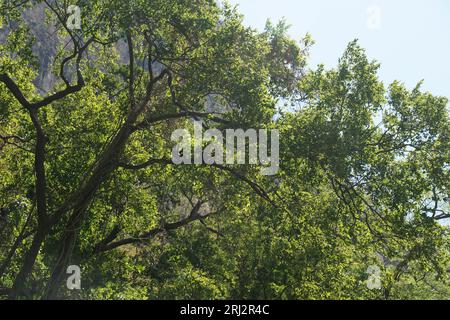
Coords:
16,245
64,255
105,166
19,286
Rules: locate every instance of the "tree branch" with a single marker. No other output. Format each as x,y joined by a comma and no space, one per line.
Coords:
257,188
193,216
17,93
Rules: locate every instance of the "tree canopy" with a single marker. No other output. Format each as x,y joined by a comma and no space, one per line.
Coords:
86,117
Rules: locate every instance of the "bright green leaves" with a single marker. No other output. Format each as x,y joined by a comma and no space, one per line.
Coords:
286,59
364,169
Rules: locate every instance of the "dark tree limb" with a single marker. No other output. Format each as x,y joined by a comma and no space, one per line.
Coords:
255,186
193,216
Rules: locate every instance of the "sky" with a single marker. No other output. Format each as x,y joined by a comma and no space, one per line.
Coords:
410,38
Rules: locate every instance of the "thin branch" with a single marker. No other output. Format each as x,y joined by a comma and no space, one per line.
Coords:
179,115
9,140
193,216
257,188
145,164
131,69
211,229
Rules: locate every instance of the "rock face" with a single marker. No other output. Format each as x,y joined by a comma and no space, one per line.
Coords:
45,50
44,45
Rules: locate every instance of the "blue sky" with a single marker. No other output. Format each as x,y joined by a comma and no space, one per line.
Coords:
411,38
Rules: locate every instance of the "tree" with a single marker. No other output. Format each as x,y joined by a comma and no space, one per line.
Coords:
87,177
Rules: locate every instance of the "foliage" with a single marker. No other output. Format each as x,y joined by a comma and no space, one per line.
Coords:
364,175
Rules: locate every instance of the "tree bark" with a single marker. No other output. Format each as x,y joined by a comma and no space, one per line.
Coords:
16,244
19,286
106,165
64,255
